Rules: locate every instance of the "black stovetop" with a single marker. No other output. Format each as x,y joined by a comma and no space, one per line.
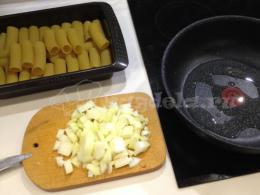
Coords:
156,22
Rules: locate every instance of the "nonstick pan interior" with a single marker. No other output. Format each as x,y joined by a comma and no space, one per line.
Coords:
212,69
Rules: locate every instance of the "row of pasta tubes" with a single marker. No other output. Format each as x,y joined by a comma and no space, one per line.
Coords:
29,53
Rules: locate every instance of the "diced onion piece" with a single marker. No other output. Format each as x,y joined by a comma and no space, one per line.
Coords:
83,119
72,137
107,157
132,141
87,141
73,126
110,168
60,133
79,134
96,113
141,146
127,131
103,167
75,162
123,154
88,105
88,125
68,167
56,145
90,174
126,108
135,161
145,132
118,145
75,114
121,162
65,148
144,138
75,149
94,169
106,128
64,138
131,153
99,150
59,161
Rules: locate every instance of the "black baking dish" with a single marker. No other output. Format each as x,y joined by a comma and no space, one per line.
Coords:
82,12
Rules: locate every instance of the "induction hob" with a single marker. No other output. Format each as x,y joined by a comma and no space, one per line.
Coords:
156,22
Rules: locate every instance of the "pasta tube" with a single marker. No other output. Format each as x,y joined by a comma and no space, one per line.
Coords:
27,54
23,34
11,77
53,58
55,27
49,70
2,41
78,26
35,77
72,63
98,35
86,26
88,45
2,76
6,67
42,30
62,41
3,51
62,55
15,58
11,36
83,60
24,75
66,26
59,66
4,61
74,41
39,59
94,57
34,34
105,57
50,42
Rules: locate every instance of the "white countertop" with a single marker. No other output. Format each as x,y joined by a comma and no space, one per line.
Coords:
15,113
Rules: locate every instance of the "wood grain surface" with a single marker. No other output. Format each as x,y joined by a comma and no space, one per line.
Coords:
40,137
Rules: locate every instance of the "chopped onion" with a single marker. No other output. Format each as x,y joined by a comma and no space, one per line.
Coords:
94,169
102,138
60,161
135,161
121,162
63,138
56,145
88,105
110,168
90,174
99,150
141,146
72,137
75,162
118,145
103,167
65,148
68,167
145,132
60,133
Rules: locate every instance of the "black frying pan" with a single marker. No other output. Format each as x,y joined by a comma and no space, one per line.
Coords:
212,70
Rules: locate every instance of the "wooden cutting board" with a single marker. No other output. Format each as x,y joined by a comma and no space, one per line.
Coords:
40,136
